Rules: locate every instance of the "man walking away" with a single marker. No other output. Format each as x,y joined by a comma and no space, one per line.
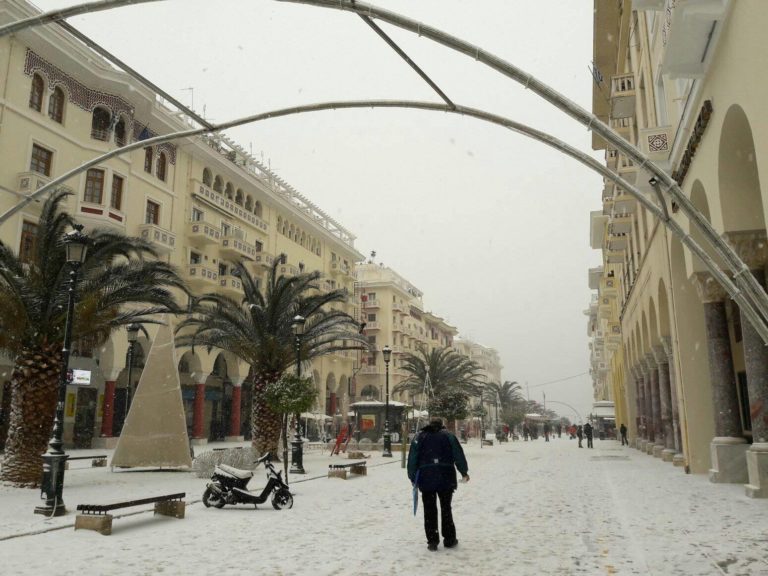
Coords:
580,434
434,454
588,433
623,430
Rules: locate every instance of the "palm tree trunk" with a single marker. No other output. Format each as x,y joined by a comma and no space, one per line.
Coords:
265,422
34,385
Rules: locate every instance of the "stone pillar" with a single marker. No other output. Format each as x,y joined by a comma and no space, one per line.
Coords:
728,448
679,458
198,421
665,397
658,432
650,438
234,417
634,432
642,429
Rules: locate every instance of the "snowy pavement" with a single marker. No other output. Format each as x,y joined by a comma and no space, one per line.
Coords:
530,508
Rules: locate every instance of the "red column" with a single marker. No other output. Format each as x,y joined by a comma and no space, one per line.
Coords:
234,421
108,409
197,423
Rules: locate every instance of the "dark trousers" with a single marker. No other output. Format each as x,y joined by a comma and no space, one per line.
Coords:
446,516
589,442
624,440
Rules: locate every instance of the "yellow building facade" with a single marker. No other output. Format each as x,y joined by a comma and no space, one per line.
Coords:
678,79
203,202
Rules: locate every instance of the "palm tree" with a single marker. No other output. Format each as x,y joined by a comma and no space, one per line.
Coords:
453,378
447,369
258,331
120,282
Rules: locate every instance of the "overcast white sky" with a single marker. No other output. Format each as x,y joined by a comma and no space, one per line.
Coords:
493,227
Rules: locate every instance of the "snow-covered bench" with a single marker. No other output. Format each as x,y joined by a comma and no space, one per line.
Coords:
95,517
340,470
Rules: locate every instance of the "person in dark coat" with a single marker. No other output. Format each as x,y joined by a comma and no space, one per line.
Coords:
580,434
623,430
588,433
434,457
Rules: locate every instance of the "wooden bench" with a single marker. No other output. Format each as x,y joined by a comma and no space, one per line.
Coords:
340,470
95,517
96,461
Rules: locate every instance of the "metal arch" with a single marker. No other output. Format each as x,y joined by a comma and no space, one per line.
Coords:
64,13
746,305
743,277
738,268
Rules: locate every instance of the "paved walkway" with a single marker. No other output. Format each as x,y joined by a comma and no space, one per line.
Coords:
530,508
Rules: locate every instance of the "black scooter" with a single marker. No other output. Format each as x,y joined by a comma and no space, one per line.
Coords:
228,486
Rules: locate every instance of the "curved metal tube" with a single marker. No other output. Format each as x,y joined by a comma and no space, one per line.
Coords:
746,305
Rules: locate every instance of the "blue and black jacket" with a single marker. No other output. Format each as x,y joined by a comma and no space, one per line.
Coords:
436,455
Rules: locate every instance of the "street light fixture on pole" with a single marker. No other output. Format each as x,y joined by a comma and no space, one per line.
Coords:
76,246
133,335
297,448
387,452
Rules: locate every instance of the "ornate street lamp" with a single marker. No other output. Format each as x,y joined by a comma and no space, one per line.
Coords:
387,353
76,247
297,448
133,335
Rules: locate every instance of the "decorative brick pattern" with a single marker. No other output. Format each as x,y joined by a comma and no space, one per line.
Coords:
87,99
658,143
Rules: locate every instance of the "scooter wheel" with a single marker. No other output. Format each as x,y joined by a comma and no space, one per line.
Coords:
211,498
282,499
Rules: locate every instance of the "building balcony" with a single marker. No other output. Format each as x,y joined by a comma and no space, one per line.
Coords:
627,169
594,277
233,247
162,240
200,233
401,307
231,286
370,304
264,259
202,278
624,204
617,241
229,205
287,270
625,127
687,32
597,222
620,224
623,96
29,182
340,269
373,325
611,158
609,286
614,256
371,370
613,332
397,328
605,308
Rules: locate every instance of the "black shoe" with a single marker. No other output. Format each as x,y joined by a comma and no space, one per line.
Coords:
450,543
432,546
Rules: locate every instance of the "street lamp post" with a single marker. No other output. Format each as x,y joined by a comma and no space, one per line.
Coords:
133,335
387,452
76,246
297,448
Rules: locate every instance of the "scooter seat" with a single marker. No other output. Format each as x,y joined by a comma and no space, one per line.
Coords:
236,472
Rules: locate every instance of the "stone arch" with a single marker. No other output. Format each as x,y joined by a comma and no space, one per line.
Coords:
207,177
239,197
248,202
190,368
258,209
644,336
229,191
738,178
653,325
700,201
218,184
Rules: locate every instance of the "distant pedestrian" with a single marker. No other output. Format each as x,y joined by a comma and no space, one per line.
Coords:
588,433
623,430
559,430
546,431
434,454
580,434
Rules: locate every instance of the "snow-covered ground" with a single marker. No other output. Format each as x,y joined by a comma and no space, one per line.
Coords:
530,508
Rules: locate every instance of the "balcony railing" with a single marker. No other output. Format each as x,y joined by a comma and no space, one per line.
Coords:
29,182
163,240
234,246
202,232
202,276
623,96
231,285
230,206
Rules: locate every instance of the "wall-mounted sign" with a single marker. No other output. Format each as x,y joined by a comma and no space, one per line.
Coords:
79,377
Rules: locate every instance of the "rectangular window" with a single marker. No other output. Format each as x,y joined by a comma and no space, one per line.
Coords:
28,241
259,246
153,213
194,258
372,340
116,201
371,317
371,295
197,215
41,160
94,186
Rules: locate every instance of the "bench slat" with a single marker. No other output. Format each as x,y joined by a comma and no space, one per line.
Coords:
348,465
86,457
101,508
